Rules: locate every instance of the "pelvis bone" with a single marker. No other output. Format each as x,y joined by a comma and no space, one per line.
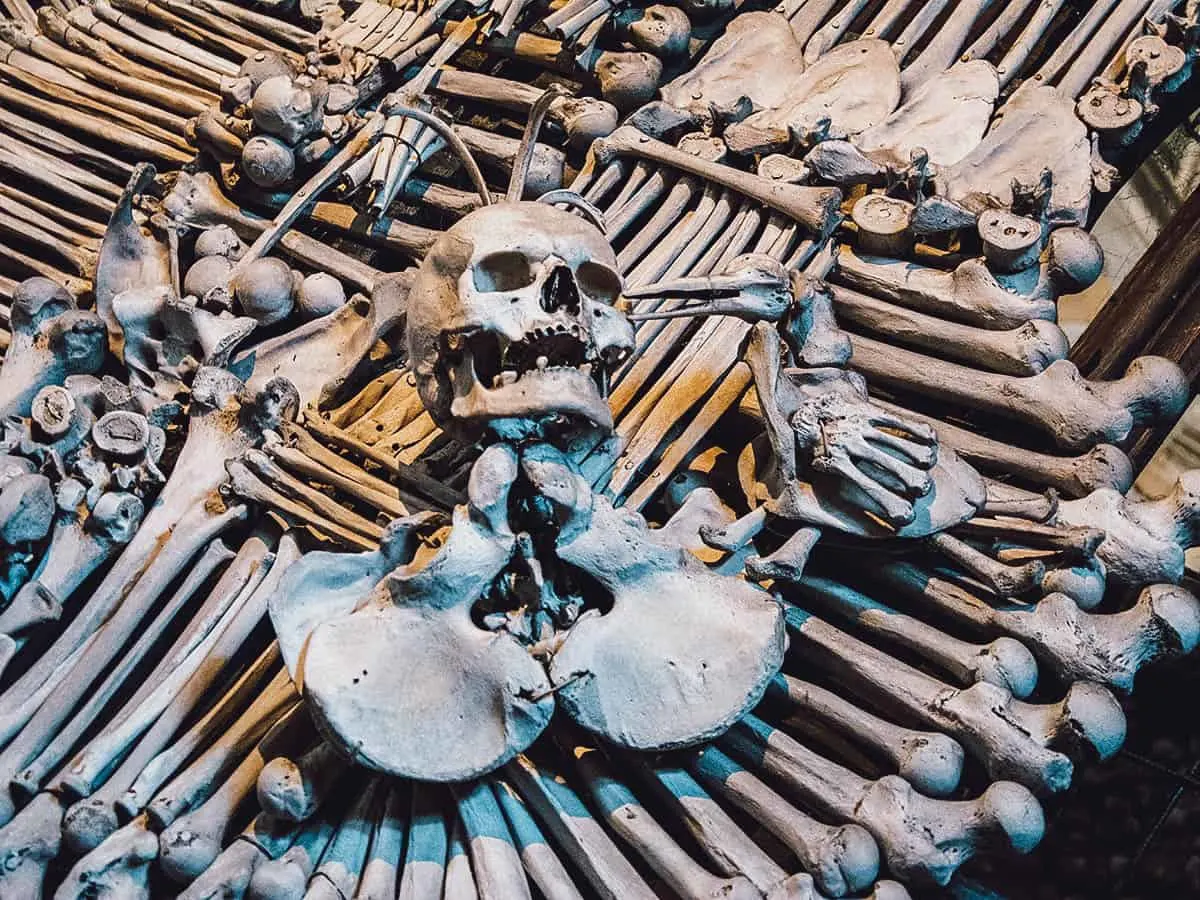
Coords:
396,665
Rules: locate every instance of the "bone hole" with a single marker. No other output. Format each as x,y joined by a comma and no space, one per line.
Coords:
599,282
559,291
503,271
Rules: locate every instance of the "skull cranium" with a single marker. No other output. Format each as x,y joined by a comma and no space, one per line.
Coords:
511,323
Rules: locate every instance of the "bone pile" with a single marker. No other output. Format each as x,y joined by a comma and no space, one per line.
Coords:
565,450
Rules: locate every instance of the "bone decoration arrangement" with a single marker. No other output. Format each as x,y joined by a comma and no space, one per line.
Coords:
578,450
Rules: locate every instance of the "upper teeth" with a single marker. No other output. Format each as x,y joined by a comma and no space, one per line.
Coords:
542,362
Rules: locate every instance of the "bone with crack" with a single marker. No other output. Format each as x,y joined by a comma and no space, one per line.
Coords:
191,841
1023,350
117,78
150,763
922,840
1075,413
621,810
232,872
1107,648
840,859
1102,466
1003,662
221,426
540,860
1011,738
495,860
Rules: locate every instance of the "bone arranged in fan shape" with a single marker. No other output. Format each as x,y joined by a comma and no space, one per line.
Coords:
666,412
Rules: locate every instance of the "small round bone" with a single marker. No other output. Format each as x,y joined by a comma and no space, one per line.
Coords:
930,761
1003,662
922,839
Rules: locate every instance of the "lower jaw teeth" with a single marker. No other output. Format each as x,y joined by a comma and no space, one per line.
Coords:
504,378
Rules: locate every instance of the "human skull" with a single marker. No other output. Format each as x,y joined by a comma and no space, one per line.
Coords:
511,324
288,109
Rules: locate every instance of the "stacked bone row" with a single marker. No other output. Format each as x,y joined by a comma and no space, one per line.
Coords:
395,625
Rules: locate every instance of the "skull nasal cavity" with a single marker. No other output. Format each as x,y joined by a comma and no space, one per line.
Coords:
559,291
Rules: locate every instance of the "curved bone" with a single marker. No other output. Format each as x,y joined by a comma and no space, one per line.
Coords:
1004,662
1077,414
1011,738
1107,648
922,840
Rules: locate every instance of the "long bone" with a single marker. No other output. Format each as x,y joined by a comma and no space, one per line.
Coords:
1095,53
79,258
97,814
1077,414
85,19
165,40
495,859
832,31
172,12
1102,466
923,840
291,790
1015,58
541,861
1066,51
1003,662
85,245
1024,350
1107,648
729,848
253,21
930,761
192,842
914,30
381,870
628,818
815,208
32,168
59,28
460,875
1016,579
35,266
231,583
841,859
100,191
185,518
940,51
340,869
217,647
888,17
231,873
426,849
191,31
1001,26
573,827
30,842
1011,738
82,224
308,457
285,877
118,78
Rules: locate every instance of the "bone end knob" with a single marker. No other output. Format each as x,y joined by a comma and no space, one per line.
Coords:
1178,614
1012,810
1104,466
849,856
184,854
931,762
1076,259
285,878
889,890
1154,389
1041,343
1007,663
88,823
1089,720
283,790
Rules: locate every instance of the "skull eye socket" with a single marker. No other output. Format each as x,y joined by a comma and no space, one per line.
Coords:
504,271
599,282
